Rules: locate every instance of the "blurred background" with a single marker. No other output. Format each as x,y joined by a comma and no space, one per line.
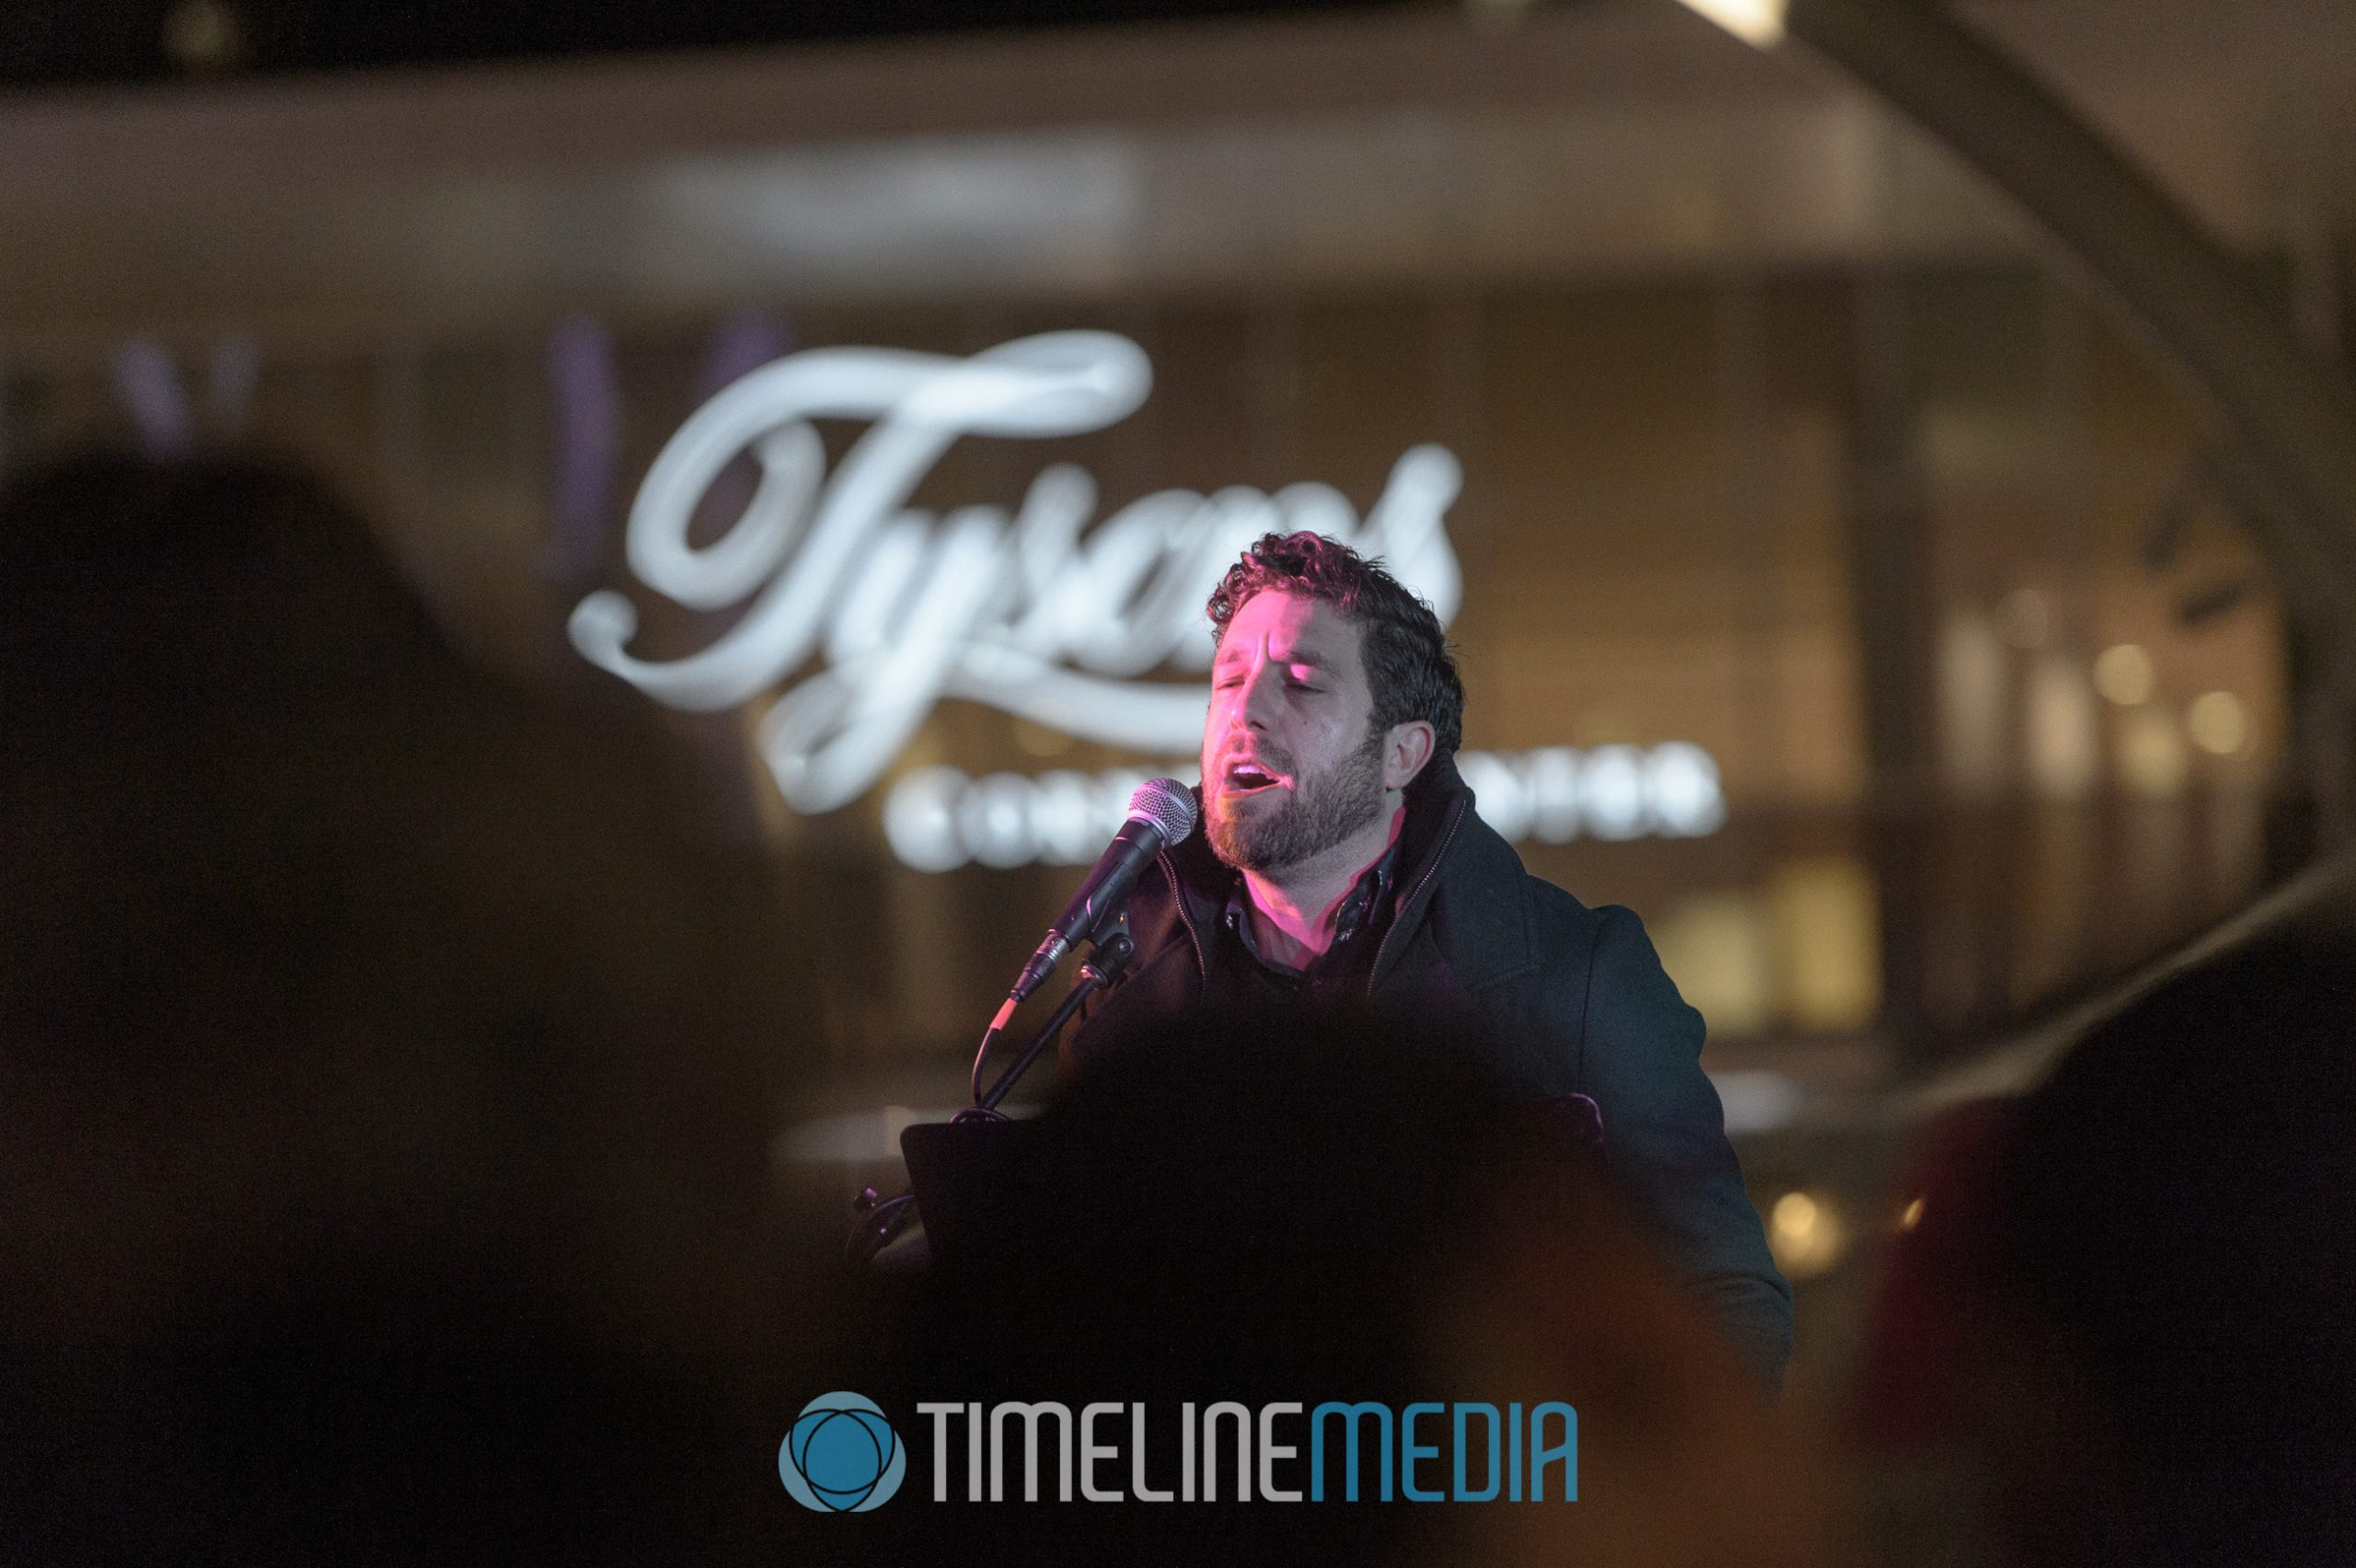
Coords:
1856,579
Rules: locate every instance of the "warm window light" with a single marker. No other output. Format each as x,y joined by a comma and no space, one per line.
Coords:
2218,722
2124,675
2152,762
1827,939
1722,953
2063,734
1806,1233
1753,21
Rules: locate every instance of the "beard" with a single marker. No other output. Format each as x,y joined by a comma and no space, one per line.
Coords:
1319,812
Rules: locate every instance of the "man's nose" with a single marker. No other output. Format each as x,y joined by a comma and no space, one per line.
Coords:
1261,695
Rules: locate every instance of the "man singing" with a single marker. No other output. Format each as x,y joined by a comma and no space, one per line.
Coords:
1341,861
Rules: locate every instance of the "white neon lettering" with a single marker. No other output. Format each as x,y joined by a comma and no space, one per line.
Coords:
936,819
1017,611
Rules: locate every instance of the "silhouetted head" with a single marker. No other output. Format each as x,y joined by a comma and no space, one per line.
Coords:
1303,1208
2176,1238
379,1111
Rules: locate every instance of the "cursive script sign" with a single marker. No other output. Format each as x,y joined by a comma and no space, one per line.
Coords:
1020,609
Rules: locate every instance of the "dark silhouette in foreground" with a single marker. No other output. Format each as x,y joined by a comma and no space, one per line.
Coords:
380,1122
2124,1320
1311,1209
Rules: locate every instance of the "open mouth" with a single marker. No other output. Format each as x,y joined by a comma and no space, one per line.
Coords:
1250,779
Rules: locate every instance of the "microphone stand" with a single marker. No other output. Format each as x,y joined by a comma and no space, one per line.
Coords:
879,1220
1100,972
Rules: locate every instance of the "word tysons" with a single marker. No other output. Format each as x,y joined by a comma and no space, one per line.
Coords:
1015,608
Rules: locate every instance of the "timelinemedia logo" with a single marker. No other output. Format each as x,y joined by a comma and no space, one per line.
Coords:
844,1457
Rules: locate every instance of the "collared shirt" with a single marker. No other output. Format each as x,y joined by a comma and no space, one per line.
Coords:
1358,928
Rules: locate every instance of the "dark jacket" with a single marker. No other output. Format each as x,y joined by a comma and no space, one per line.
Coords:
1566,1000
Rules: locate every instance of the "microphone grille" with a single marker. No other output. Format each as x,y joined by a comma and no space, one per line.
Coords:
1167,806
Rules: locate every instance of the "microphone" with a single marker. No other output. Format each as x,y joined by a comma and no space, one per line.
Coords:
1161,813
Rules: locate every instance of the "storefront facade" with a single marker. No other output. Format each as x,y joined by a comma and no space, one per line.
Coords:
1826,575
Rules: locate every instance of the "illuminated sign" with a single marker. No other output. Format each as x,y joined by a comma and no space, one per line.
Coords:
1028,610
938,819
1013,609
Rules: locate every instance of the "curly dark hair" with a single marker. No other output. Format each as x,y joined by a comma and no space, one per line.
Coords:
1408,666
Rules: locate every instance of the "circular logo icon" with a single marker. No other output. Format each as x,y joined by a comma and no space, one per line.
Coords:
842,1456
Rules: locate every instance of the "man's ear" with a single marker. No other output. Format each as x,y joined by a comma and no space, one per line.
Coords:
1404,751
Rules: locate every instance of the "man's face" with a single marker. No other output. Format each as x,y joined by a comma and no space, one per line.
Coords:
1290,765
